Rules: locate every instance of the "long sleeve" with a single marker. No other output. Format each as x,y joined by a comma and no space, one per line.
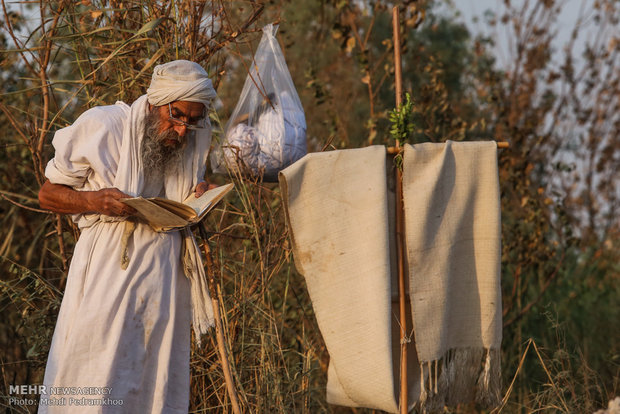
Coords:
90,146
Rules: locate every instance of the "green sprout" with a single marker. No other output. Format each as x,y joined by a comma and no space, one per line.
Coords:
402,121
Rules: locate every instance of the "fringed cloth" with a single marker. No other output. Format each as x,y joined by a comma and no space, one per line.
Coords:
336,206
453,242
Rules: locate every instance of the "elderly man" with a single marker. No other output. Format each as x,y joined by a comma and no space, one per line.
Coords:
122,339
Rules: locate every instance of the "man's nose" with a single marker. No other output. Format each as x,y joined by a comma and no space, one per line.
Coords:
181,130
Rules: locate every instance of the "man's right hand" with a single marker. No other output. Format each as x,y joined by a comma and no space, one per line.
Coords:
65,200
107,201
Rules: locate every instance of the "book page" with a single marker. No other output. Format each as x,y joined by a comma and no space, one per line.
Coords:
155,215
207,201
179,209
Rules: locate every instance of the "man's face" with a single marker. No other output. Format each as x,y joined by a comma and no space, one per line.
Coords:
188,112
165,137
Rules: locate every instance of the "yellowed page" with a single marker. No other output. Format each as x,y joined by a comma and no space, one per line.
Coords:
179,209
155,215
203,204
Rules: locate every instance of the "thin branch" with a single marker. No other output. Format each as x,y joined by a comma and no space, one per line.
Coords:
14,123
23,206
232,36
61,245
23,197
45,88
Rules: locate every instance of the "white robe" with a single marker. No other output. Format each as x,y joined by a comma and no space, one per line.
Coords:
127,330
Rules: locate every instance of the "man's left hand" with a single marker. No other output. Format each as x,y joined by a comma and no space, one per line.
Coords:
204,186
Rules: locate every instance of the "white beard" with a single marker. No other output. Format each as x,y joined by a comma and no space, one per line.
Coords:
159,160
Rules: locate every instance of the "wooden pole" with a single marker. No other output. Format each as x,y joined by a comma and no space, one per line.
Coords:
397,61
219,330
402,294
400,225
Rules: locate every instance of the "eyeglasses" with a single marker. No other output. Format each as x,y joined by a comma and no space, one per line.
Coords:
192,125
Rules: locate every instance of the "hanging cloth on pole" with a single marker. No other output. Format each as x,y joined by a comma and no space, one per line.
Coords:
337,212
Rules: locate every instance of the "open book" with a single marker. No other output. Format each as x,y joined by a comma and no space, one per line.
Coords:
163,214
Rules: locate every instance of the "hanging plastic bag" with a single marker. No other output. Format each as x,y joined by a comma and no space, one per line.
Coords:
267,130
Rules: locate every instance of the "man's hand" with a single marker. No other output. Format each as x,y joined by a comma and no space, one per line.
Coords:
202,187
65,200
107,201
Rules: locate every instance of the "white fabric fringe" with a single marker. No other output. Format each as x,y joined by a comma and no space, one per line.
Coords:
463,375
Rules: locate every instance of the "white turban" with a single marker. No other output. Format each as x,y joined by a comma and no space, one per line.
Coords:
180,80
